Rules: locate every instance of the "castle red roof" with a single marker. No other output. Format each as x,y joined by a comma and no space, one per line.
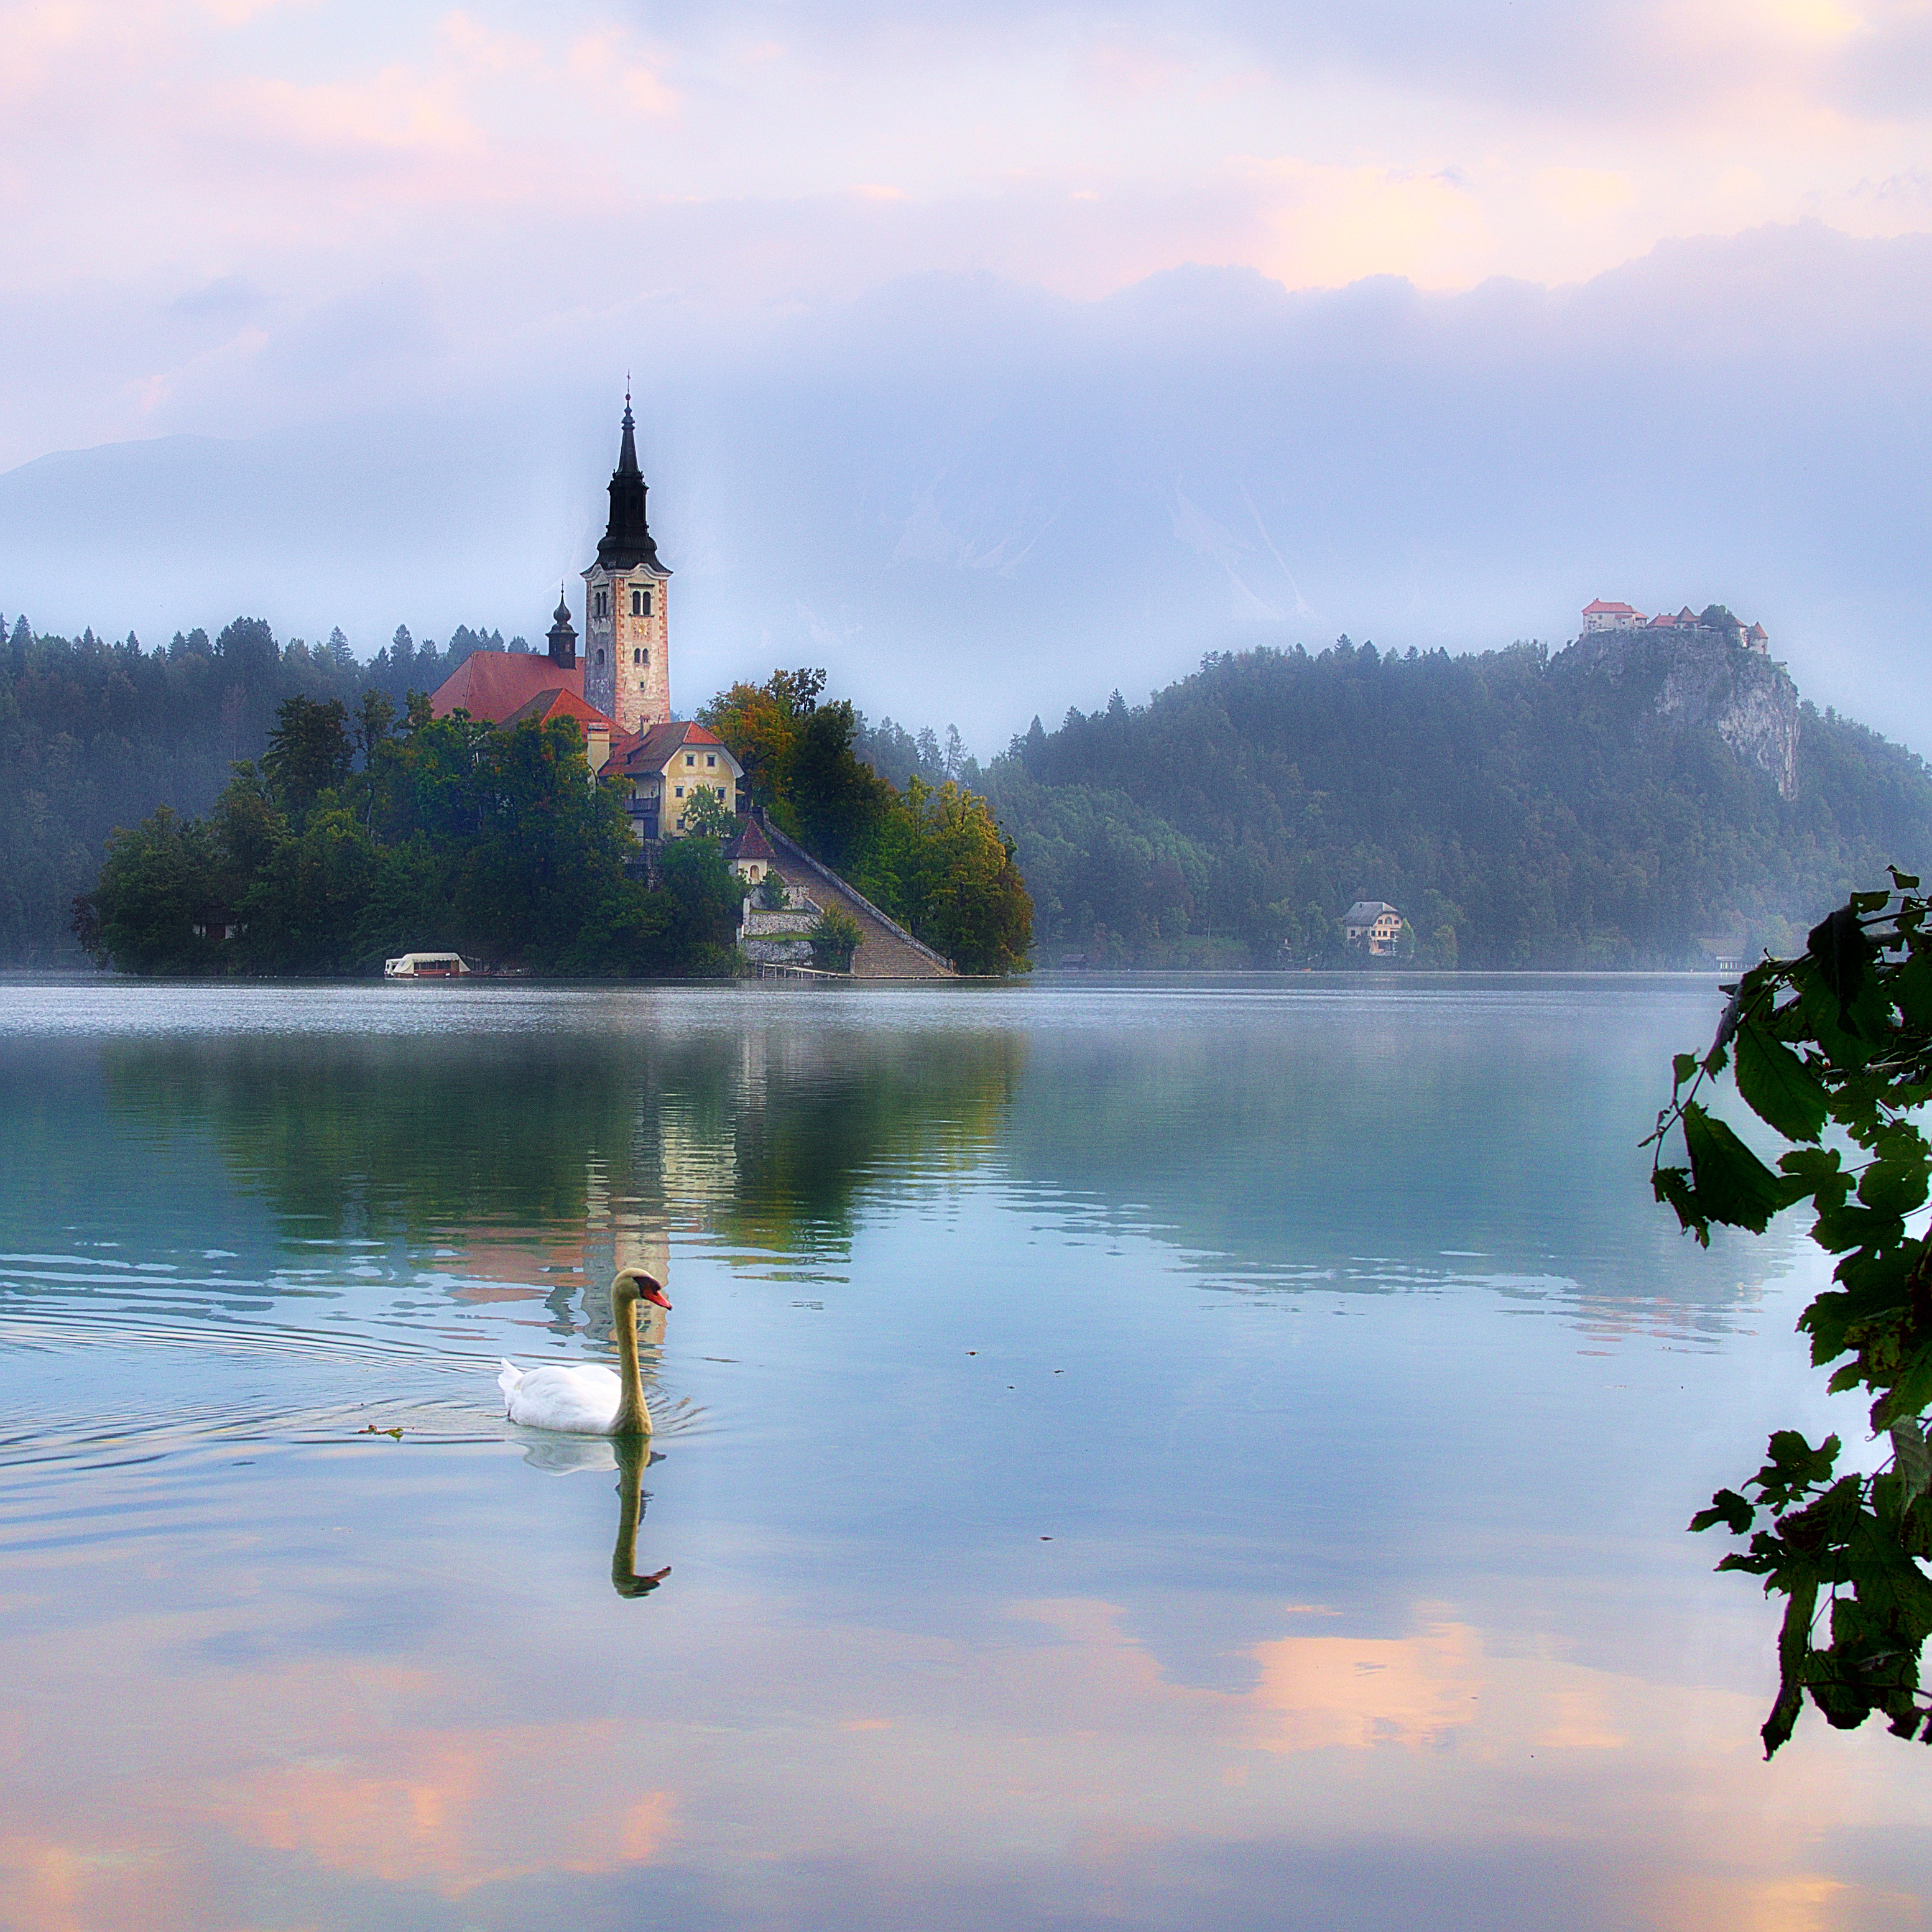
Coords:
1601,609
493,686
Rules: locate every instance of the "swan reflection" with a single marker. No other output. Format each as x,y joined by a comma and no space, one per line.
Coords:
633,1453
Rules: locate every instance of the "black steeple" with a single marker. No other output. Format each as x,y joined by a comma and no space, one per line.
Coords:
627,543
563,636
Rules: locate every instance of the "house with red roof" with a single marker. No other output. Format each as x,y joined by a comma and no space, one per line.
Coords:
619,690
1600,616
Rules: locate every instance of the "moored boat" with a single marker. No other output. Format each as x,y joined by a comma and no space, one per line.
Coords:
426,966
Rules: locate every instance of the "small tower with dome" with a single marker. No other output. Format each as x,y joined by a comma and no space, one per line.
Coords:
562,635
626,635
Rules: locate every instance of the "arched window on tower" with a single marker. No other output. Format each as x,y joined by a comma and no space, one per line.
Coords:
636,657
600,656
637,603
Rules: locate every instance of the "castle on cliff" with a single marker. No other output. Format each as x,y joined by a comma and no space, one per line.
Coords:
1714,622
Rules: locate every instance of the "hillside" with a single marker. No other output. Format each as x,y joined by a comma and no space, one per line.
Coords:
94,735
1627,802
1634,801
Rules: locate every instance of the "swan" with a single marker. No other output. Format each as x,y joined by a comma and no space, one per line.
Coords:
588,1399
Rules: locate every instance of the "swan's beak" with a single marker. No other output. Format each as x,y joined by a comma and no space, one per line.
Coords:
652,1293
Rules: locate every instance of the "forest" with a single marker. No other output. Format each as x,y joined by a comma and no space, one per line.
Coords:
95,735
352,840
1521,809
241,807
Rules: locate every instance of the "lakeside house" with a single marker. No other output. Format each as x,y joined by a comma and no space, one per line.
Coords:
1373,925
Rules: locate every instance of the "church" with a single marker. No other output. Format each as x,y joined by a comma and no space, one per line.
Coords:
618,687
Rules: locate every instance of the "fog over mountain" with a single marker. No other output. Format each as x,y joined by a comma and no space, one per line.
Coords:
973,500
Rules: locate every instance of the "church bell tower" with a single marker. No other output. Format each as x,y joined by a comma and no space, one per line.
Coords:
626,637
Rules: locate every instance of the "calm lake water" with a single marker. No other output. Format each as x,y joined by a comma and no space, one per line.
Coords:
1160,1454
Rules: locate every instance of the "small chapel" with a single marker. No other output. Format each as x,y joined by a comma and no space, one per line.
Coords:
618,686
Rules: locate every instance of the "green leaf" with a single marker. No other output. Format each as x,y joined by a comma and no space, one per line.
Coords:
1778,1087
1732,1184
1912,1459
1728,1508
1895,1186
1794,1650
1672,1185
1911,987
1911,1391
1683,1067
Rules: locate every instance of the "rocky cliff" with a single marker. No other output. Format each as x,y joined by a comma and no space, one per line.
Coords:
1682,681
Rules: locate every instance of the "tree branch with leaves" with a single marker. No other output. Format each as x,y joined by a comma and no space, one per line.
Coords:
1832,1050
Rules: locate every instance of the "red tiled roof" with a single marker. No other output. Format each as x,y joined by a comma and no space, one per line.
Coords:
654,746
557,703
1757,631
1601,609
493,684
750,843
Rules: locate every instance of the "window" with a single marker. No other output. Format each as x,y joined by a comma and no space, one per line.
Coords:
690,759
680,793
711,759
600,654
636,657
603,603
680,825
721,791
637,603
647,657
647,603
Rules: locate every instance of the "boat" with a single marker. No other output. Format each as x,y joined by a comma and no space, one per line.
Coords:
426,966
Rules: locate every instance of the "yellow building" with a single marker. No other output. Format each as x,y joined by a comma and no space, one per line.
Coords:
664,771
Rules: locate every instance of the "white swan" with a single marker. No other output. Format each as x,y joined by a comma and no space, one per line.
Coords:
588,1399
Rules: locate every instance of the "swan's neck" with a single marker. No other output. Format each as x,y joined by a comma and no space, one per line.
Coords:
634,1418
630,1474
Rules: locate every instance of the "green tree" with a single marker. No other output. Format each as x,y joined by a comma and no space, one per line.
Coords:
835,936
705,817
159,882
840,802
1836,1041
309,752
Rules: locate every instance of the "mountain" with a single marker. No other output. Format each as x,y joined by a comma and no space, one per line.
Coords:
960,495
1639,800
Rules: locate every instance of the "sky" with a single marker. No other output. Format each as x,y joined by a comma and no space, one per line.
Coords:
994,354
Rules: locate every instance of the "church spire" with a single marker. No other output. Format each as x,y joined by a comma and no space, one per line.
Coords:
627,543
562,635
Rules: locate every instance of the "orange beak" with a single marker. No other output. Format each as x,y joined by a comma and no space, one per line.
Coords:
654,1293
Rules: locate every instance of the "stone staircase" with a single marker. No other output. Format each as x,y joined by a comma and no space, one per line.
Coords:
887,951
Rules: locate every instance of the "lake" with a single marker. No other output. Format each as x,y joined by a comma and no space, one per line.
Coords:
1161,1453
